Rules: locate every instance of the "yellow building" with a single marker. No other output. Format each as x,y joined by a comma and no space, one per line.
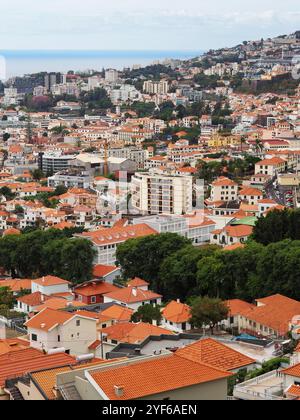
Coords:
219,141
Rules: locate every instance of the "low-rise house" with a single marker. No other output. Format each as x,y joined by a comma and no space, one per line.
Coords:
49,285
271,317
165,377
271,166
126,332
108,273
51,329
133,297
93,291
176,317
231,235
251,195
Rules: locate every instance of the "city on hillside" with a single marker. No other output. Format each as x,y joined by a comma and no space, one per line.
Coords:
150,229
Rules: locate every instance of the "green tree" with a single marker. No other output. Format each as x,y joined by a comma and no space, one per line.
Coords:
142,257
208,312
148,314
6,297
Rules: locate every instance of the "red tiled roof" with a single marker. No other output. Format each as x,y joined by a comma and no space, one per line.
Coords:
133,333
292,371
132,295
177,312
103,270
96,288
31,361
154,377
50,281
216,354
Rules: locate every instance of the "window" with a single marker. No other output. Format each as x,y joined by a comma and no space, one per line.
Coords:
78,323
58,338
93,299
33,337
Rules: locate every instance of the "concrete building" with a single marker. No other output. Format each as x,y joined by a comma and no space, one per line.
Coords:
154,193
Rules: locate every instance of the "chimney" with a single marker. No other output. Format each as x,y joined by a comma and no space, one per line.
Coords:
2,331
178,300
134,291
119,390
43,279
154,322
42,298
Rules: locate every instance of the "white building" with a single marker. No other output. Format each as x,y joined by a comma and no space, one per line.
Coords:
161,194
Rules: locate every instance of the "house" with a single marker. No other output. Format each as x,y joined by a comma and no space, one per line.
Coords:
176,317
265,205
236,308
165,377
93,291
133,297
23,361
105,241
271,166
17,285
29,303
224,189
214,353
51,329
270,317
251,195
139,283
49,285
231,235
114,314
126,332
108,273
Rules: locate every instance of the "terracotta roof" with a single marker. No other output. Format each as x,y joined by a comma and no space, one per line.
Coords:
238,231
276,312
292,371
273,161
177,312
297,349
113,235
216,354
132,295
103,270
96,288
294,390
46,379
154,377
48,319
137,282
116,313
11,231
10,345
50,281
223,181
251,191
16,285
238,307
31,361
34,299
133,333
58,303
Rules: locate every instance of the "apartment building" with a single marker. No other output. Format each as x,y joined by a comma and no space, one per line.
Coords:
154,193
224,189
152,87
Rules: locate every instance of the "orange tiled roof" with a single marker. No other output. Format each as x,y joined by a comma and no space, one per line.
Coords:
117,313
154,377
34,299
133,333
276,312
12,344
96,288
100,270
294,390
251,191
238,307
132,295
11,231
292,371
16,285
48,319
273,161
49,281
177,312
137,282
223,181
238,231
216,354
58,303
32,361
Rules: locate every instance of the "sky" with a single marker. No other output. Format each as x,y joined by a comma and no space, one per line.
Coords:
139,25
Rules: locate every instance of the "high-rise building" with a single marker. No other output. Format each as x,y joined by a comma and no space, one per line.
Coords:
52,79
111,75
160,88
154,193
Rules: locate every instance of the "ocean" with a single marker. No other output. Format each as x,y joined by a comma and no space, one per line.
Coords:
18,63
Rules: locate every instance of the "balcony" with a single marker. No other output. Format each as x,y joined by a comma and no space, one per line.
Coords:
269,386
